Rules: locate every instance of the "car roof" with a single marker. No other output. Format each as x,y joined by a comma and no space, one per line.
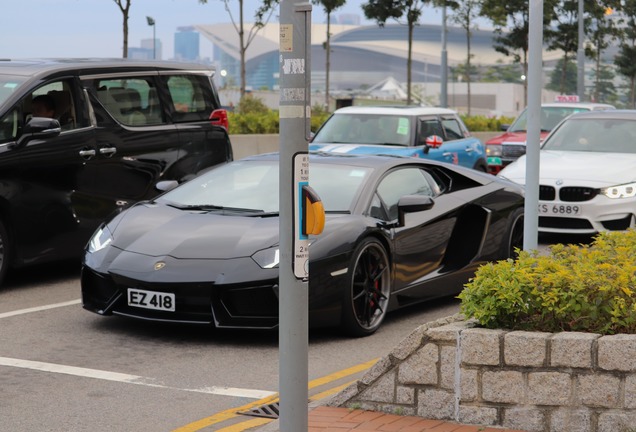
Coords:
617,114
394,110
588,105
35,67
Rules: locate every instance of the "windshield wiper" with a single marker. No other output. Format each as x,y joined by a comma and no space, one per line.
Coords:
212,207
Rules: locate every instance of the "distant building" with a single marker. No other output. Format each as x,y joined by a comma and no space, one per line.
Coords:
186,44
350,19
146,51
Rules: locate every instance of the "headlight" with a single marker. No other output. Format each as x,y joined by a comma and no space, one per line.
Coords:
100,240
267,258
493,150
621,191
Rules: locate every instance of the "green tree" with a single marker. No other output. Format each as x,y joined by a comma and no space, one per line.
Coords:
261,17
603,33
564,77
383,10
624,60
125,9
328,6
464,15
562,35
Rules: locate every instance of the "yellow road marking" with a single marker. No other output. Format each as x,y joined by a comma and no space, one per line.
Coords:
233,412
243,426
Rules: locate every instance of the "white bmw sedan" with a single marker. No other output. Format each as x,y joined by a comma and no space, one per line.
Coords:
587,174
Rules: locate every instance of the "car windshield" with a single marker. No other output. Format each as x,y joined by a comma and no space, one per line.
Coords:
349,128
607,135
8,84
550,117
253,185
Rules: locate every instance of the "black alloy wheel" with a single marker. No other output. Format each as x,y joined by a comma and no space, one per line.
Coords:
367,299
515,234
4,252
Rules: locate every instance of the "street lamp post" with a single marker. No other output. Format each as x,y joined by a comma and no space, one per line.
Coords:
151,22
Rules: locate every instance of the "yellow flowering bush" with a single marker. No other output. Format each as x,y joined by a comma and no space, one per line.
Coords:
587,288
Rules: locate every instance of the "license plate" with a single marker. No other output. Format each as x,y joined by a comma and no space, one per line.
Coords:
494,160
151,300
559,209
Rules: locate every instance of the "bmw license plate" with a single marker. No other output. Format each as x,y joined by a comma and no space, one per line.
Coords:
559,210
151,300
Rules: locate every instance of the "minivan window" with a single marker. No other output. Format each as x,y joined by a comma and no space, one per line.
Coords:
190,97
131,101
8,84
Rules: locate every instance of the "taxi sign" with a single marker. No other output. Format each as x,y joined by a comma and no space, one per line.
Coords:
566,98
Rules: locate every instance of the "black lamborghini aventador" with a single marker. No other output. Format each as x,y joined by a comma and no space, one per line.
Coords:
207,250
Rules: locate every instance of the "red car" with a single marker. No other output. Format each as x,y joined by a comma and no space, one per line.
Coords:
507,147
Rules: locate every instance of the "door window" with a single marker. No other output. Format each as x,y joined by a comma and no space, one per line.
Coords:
407,181
452,128
191,97
428,127
131,101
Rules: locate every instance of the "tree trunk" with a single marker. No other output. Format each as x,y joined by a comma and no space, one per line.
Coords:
408,64
242,49
468,67
328,64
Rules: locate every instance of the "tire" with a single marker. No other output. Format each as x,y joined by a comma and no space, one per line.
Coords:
5,252
367,295
514,235
481,166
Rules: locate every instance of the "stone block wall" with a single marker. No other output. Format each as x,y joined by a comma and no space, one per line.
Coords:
532,381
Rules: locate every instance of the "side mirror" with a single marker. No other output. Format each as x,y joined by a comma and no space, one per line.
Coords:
166,185
413,204
434,141
39,128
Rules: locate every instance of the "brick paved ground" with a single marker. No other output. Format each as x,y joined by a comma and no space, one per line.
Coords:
330,419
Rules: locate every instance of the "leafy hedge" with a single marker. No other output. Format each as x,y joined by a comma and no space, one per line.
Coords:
252,116
589,288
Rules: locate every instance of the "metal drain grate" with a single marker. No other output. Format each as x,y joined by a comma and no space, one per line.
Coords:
266,411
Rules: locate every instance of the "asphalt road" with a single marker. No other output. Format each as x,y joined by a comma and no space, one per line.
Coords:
65,369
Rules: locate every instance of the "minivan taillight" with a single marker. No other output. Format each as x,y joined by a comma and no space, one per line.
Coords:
219,118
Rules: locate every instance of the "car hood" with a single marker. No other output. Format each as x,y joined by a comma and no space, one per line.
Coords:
159,230
364,149
512,137
577,168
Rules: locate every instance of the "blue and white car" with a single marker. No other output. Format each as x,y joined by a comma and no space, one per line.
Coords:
415,131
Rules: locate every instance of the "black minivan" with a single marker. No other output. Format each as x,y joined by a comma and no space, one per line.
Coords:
119,127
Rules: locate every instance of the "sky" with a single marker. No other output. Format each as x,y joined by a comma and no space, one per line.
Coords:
93,28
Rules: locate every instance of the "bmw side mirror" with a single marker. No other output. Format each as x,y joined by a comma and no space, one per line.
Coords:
166,185
413,204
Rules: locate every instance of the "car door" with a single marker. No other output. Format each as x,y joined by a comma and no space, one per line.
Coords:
46,185
419,245
452,142
191,104
137,145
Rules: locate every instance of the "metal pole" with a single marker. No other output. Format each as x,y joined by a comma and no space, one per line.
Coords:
154,41
295,116
444,63
580,56
535,63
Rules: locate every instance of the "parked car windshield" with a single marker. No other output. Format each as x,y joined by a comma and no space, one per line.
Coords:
550,117
8,84
349,128
594,135
253,185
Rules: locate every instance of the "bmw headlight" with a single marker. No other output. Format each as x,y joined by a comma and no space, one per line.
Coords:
267,258
620,191
100,240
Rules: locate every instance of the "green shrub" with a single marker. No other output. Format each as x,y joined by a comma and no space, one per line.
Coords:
482,123
250,118
589,288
